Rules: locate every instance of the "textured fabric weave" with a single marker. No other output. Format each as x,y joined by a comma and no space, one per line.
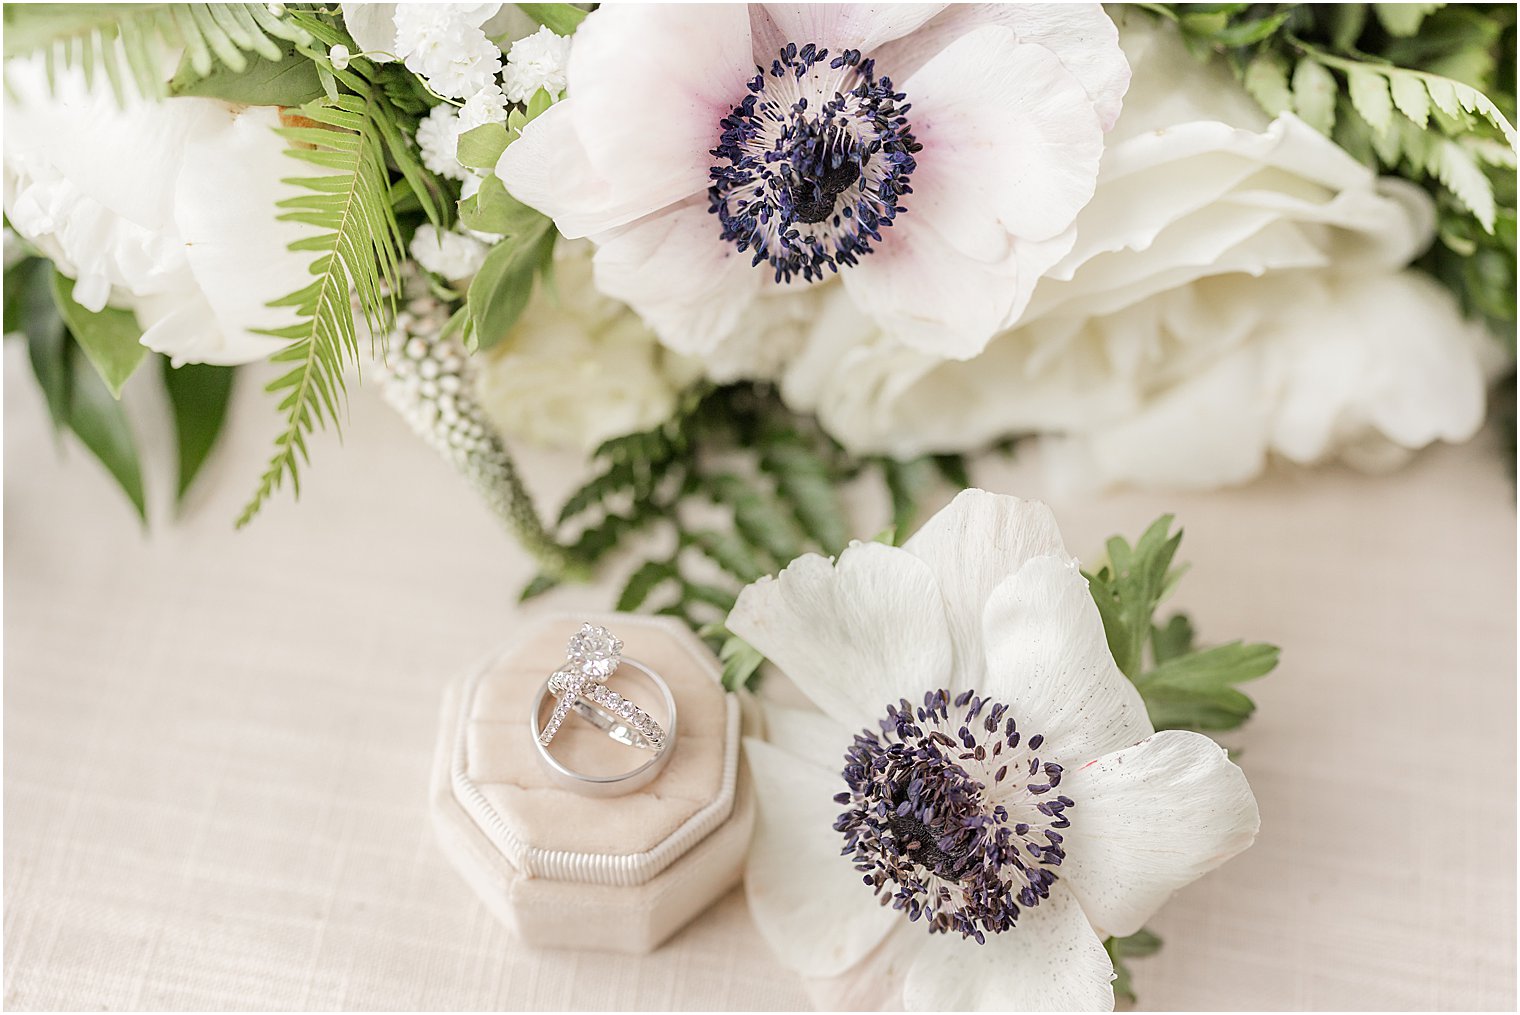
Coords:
217,745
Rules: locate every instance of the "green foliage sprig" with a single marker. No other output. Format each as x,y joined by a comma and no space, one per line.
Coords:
736,487
1184,687
127,42
1426,91
357,134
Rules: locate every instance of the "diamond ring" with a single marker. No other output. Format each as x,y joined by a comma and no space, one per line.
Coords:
594,655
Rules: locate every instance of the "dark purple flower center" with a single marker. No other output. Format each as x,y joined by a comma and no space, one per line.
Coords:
951,816
813,163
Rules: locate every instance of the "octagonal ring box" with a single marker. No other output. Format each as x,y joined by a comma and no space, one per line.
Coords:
561,869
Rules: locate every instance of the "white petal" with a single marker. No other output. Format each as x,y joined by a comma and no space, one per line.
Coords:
837,27
1051,961
650,83
1150,819
928,295
548,169
806,898
1048,660
853,636
808,735
1011,143
373,27
1385,353
689,285
971,546
1081,35
237,252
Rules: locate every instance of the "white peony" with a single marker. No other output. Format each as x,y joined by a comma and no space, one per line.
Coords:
1237,290
164,208
578,367
453,256
932,156
980,798
536,62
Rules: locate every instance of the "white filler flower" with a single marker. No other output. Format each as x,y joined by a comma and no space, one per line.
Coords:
445,46
536,62
932,156
165,208
999,796
451,255
1238,291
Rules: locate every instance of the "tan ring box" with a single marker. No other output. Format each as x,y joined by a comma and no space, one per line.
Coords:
565,870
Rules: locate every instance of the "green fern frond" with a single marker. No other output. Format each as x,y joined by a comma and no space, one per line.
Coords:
359,250
129,42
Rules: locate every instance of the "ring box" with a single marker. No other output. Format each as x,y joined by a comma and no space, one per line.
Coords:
563,869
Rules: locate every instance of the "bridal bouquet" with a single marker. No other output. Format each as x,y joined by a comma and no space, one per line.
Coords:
736,257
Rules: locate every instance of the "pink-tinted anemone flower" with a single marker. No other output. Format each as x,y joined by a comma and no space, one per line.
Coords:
931,156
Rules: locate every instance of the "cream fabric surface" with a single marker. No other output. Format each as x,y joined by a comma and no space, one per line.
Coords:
217,744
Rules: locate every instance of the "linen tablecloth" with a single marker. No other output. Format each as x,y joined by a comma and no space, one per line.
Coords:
217,743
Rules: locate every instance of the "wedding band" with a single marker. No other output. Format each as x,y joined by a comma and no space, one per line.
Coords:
580,687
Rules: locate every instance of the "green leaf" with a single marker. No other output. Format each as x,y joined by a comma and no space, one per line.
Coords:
492,210
1266,78
1173,639
538,586
97,419
953,470
1404,19
1411,97
1314,92
906,482
740,662
649,576
199,394
1130,586
758,519
1344,24
803,479
291,80
1137,946
730,553
1195,690
1369,94
1460,173
501,289
111,338
481,147
358,251
30,309
129,42
561,19
1247,33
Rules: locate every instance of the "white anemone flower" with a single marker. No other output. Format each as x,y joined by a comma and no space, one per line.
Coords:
999,796
931,156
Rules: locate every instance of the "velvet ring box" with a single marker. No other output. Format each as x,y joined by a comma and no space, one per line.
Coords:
562,869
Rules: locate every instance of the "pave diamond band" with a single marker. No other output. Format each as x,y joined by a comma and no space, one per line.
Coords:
594,655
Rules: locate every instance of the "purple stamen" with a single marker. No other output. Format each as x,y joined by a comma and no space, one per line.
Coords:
929,816
813,163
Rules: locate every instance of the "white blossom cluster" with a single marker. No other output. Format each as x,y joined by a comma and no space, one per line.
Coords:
429,379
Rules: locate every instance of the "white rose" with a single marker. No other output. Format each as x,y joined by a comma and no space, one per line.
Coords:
1238,289
164,208
578,367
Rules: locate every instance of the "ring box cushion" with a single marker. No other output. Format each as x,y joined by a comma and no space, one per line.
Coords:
567,870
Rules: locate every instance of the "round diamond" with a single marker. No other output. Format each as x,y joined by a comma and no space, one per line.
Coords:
595,650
